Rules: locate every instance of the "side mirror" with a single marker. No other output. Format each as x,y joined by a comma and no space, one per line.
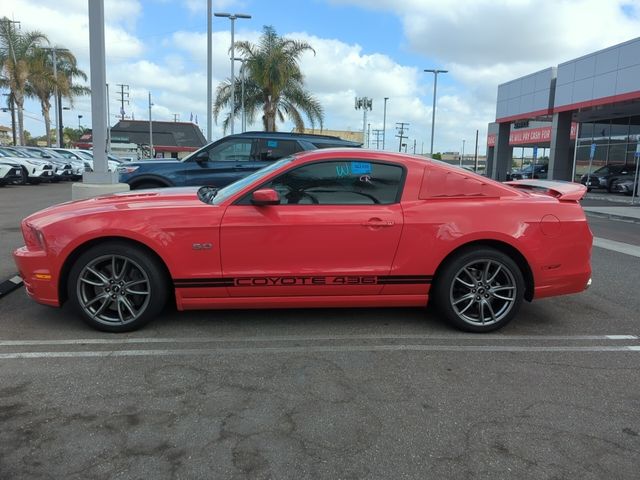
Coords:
265,196
202,157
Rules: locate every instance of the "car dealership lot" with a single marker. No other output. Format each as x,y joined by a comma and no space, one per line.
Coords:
366,393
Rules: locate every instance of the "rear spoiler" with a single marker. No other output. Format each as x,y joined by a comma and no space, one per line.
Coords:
566,191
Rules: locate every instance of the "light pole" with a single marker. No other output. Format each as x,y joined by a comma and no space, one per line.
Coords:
233,18
79,125
433,112
462,156
209,71
384,122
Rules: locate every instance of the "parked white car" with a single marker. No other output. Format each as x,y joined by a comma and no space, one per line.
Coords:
10,173
35,171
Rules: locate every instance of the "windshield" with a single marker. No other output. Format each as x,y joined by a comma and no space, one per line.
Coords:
235,187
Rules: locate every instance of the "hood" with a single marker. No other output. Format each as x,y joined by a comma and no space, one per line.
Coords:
138,199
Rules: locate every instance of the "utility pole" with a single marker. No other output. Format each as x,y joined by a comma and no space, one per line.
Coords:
368,135
364,103
124,98
414,146
384,122
378,133
462,156
150,128
176,117
400,127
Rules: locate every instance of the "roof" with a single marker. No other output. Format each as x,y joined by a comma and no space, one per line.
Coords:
178,134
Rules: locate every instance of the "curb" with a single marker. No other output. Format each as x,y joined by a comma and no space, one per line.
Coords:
613,216
10,285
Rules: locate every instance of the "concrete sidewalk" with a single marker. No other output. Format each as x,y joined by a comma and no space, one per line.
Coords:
629,213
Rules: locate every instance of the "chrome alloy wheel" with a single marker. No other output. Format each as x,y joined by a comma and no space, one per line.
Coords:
113,290
483,292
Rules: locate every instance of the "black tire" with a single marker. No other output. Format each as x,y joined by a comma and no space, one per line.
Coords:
148,184
25,176
117,300
610,187
35,181
500,296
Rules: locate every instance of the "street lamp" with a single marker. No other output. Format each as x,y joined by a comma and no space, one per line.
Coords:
462,156
233,18
79,125
384,122
433,112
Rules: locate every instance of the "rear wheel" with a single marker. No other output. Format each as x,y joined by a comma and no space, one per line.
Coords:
479,290
117,287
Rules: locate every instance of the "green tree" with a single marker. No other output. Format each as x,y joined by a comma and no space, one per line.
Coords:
274,84
42,81
16,49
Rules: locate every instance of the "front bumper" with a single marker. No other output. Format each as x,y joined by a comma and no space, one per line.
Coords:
39,282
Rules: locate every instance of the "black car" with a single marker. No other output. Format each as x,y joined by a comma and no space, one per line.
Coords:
530,171
224,161
604,177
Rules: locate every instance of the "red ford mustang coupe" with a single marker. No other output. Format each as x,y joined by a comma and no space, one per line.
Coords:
328,228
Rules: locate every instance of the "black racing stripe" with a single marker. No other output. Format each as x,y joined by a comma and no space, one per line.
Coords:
408,279
202,285
404,282
202,280
230,281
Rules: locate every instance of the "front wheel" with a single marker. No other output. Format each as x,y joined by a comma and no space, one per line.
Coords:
479,290
117,287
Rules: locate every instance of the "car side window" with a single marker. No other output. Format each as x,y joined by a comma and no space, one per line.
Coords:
275,149
235,150
346,182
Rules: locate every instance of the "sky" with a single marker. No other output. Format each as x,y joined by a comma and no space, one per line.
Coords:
363,48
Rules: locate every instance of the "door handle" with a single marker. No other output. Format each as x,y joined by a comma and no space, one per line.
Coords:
378,222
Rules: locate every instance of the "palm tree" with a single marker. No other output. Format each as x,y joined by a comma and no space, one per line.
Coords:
43,81
15,50
274,84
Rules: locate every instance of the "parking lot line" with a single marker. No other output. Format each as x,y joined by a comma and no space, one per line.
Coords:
322,349
616,246
297,338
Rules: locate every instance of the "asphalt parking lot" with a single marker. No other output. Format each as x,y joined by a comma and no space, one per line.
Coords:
308,394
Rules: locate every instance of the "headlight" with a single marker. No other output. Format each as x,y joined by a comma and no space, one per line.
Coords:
33,238
127,169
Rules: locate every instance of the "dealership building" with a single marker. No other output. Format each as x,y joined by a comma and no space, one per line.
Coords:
585,111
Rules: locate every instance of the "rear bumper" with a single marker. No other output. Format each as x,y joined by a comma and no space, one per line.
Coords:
39,282
564,285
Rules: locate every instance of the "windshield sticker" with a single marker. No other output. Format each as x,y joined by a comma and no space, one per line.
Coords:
359,168
342,170
272,143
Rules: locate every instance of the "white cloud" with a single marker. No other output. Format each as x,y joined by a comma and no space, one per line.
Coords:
481,42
